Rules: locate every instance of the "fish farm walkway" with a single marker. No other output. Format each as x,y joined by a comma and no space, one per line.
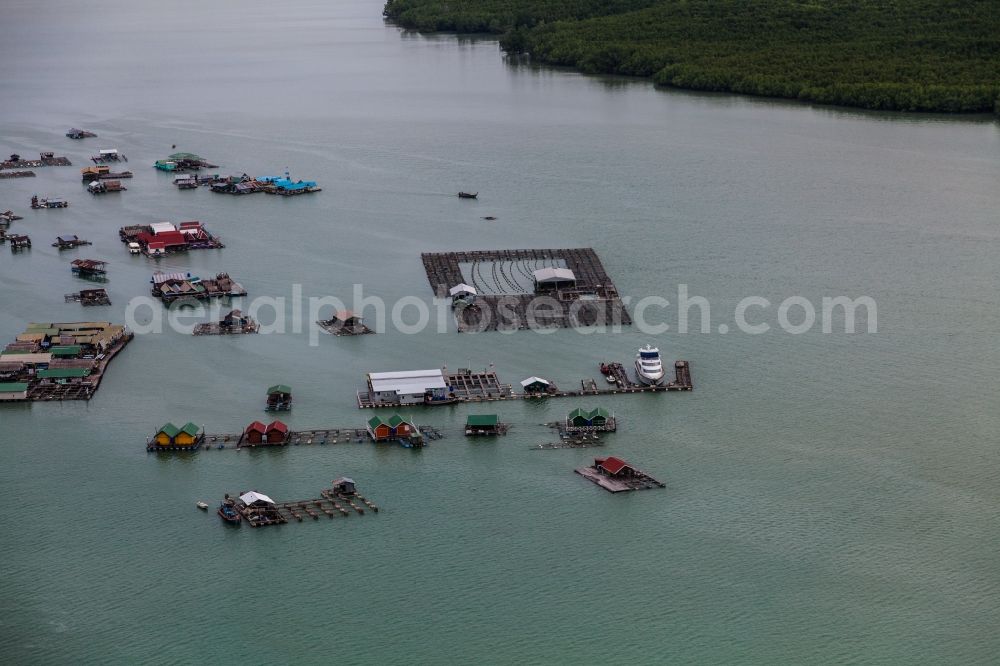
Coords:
506,299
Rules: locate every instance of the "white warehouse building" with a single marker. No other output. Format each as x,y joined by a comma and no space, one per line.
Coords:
411,387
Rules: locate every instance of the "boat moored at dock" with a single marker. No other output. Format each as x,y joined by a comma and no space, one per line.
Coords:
648,366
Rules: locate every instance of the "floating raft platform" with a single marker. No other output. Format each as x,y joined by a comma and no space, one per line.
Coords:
17,174
486,387
89,297
504,282
44,159
616,476
335,502
70,242
75,133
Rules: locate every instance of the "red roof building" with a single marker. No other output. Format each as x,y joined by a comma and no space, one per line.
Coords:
254,434
168,238
277,432
614,466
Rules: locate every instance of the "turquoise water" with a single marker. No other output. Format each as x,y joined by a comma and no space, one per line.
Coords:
830,497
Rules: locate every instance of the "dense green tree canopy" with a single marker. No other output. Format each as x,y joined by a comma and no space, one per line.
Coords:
912,55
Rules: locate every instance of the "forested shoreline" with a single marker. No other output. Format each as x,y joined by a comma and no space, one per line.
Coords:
903,55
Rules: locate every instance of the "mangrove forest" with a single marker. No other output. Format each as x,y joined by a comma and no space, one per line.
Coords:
904,55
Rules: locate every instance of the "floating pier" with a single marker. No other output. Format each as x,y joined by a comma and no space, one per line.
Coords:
615,475
17,174
316,437
502,289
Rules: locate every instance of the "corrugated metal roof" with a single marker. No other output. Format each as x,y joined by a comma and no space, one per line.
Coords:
28,359
409,381
482,420
253,496
190,428
13,387
534,380
162,227
278,388
68,350
611,464
169,429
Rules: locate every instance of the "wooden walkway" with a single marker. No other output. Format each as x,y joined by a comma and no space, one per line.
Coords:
330,504
486,387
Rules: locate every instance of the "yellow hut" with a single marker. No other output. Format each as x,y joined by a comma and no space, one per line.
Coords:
187,435
165,435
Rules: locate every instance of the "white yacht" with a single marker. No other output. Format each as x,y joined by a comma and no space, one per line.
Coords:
648,367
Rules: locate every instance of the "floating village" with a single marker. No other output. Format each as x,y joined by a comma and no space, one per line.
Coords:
488,290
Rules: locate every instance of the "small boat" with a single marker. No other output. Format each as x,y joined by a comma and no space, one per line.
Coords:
229,514
648,366
468,195
611,379
489,217
202,505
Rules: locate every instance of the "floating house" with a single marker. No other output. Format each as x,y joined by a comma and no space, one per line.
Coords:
286,186
344,485
537,385
171,438
254,433
597,419
105,186
484,424
13,391
549,279
395,428
259,509
276,433
345,322
169,287
233,323
615,475
412,387
161,238
178,162
279,398
89,268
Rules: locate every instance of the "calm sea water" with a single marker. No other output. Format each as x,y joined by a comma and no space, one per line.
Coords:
831,498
